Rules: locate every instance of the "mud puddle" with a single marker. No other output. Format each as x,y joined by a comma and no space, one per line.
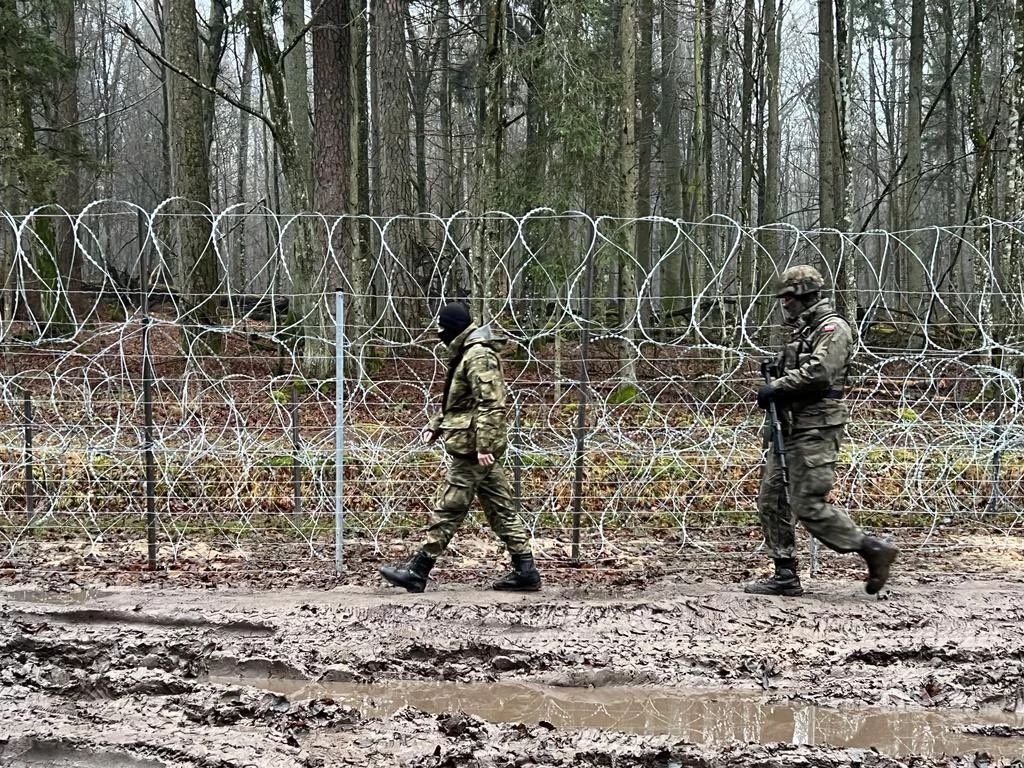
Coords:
713,719
49,754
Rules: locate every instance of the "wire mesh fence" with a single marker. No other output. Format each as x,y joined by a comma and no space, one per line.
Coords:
135,433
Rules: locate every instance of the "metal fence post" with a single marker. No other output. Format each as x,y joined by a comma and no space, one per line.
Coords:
517,459
30,485
296,448
147,399
583,396
339,429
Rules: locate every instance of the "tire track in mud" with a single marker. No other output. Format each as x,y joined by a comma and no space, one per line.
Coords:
117,617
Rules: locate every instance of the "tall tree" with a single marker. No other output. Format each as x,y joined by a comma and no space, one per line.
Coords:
912,181
769,193
446,204
296,82
335,110
645,138
190,163
628,178
748,135
491,135
828,128
307,324
68,192
33,72
393,126
675,274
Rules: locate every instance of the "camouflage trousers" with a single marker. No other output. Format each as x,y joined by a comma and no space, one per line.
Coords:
465,480
811,460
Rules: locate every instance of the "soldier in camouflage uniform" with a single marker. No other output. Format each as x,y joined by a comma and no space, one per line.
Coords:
472,426
808,394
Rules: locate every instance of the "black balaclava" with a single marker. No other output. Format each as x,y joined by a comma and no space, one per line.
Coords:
452,320
800,305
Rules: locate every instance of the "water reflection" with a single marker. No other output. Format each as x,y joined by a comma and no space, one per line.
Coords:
698,717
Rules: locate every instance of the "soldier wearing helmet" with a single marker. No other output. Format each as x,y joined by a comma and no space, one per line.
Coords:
808,392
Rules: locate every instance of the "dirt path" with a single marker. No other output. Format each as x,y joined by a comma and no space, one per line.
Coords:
144,676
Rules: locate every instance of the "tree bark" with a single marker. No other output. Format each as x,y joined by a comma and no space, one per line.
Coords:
490,109
675,277
828,151
332,171
395,159
245,121
190,163
444,96
644,143
912,167
771,192
69,196
629,179
747,137
296,79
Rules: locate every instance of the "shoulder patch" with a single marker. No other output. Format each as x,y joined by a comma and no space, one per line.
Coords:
828,328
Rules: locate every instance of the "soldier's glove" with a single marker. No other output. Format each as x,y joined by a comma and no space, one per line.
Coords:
766,395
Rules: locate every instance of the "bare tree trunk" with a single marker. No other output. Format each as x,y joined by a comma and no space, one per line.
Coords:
393,120
707,116
419,90
747,137
241,265
444,97
536,113
333,105
190,162
846,275
981,261
951,137
675,276
629,177
69,196
491,106
306,258
645,142
1011,266
773,140
912,167
332,171
296,79
215,41
828,151
360,136
10,149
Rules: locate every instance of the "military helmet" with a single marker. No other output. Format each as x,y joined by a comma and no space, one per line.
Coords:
799,281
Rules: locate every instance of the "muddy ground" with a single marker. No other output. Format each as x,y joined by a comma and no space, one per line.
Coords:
180,669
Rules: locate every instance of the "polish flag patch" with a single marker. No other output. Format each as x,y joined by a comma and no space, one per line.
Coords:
828,328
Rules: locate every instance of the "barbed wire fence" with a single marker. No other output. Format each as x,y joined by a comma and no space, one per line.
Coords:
132,439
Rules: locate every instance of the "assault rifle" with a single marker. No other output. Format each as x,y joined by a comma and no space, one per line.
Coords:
770,371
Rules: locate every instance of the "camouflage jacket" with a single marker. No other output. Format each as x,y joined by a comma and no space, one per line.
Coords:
472,419
813,365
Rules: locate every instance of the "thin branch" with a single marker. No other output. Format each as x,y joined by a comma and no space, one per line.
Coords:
891,185
127,31
100,116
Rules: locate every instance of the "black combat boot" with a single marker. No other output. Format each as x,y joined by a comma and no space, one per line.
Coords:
879,555
785,582
524,577
412,575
